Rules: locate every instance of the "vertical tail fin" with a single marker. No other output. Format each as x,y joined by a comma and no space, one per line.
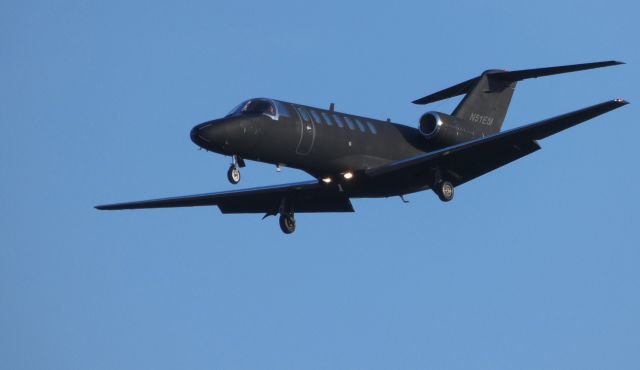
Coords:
487,102
488,96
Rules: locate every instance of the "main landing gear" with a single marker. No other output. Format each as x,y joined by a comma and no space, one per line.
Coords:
444,190
442,187
287,223
233,174
287,219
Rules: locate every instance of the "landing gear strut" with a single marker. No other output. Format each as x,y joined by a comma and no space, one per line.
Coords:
287,223
444,190
233,174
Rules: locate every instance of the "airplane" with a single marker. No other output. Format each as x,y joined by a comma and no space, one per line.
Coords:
351,156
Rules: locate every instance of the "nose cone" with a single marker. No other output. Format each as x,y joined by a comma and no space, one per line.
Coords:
209,135
197,135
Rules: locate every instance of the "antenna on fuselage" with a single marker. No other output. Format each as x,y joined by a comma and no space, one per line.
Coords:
331,107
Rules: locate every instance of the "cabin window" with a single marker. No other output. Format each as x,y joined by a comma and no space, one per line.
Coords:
282,110
339,120
304,114
316,116
327,119
350,123
372,127
360,125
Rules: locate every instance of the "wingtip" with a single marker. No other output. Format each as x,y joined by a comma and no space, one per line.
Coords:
621,101
617,62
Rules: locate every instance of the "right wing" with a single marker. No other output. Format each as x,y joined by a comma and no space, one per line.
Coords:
466,161
310,196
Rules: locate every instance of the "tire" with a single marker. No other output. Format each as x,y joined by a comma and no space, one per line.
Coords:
445,191
287,224
233,175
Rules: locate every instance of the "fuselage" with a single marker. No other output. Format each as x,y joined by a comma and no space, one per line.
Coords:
324,143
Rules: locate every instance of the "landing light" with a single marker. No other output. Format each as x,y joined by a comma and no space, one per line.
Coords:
326,180
348,175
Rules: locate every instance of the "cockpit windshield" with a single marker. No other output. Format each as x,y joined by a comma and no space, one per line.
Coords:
256,106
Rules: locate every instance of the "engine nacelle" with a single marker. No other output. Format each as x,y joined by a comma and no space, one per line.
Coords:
445,130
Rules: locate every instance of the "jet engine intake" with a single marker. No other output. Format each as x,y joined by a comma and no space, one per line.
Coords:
445,130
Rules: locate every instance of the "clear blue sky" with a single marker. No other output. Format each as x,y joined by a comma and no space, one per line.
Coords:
534,266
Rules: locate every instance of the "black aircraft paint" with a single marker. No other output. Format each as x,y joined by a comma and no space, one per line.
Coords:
358,157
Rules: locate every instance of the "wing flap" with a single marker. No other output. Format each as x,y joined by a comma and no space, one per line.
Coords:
300,205
481,160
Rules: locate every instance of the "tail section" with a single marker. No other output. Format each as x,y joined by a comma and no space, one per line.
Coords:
486,103
488,96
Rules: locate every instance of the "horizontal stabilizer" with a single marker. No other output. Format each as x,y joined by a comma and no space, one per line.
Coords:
541,72
512,76
459,89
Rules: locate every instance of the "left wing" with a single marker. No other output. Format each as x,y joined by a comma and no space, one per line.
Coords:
466,161
309,196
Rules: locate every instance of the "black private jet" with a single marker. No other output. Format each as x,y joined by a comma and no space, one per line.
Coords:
358,157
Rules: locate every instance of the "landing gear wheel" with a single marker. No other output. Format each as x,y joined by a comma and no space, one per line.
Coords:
445,191
287,224
233,175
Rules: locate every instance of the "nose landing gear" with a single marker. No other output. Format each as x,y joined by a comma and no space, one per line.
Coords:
233,174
